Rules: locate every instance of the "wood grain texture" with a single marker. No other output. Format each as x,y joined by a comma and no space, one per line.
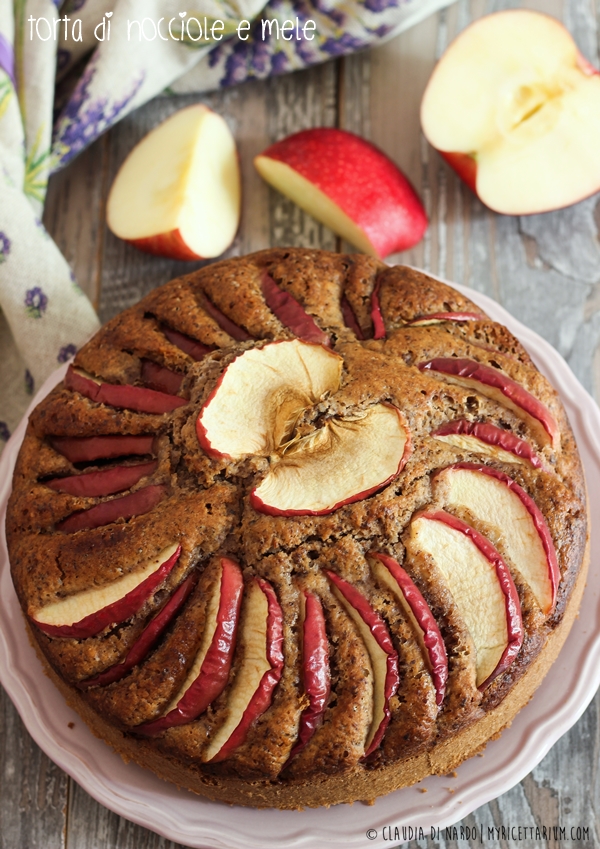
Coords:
545,269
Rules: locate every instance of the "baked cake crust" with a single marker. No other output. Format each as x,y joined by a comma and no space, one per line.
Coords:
178,341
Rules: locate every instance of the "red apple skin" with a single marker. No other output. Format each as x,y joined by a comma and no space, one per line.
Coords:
226,324
381,634
105,482
194,349
492,435
366,185
432,636
533,510
316,676
262,698
291,313
214,673
447,316
472,370
259,505
160,378
376,314
116,395
350,319
514,620
135,504
147,639
464,165
86,449
169,244
113,614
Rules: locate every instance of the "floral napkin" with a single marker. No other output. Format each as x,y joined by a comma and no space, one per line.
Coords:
44,315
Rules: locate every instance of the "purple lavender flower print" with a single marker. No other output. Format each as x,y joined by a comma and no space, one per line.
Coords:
4,246
29,382
36,302
66,352
4,432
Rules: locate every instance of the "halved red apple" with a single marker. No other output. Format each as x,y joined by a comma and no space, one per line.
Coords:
497,500
344,461
196,350
209,673
316,676
383,655
514,109
499,387
86,449
87,613
178,193
147,639
291,313
391,574
485,438
135,504
266,389
104,482
117,395
441,317
481,585
259,673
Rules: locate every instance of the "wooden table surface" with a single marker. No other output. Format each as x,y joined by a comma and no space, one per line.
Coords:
544,269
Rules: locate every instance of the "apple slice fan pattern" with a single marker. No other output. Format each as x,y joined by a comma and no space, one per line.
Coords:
305,545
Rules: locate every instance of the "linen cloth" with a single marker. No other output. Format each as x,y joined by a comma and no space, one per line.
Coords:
44,315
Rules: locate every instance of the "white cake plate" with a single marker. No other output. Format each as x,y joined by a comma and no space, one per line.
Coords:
180,816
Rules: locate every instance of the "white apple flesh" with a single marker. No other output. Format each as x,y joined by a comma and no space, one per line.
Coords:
515,110
178,193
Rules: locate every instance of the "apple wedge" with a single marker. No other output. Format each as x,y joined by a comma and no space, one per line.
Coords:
194,349
135,504
344,461
484,438
267,389
515,110
384,659
209,673
376,314
178,193
396,579
104,482
117,395
87,613
291,313
316,675
349,185
226,324
86,449
497,500
350,319
499,387
147,639
259,672
481,585
160,378
441,317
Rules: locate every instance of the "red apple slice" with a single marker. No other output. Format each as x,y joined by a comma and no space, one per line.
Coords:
389,572
209,674
484,438
104,482
196,350
350,319
86,614
441,317
344,461
266,389
178,193
384,659
260,671
481,585
349,185
376,314
316,676
499,387
86,449
116,395
515,110
147,640
135,504
225,323
291,313
496,499
160,378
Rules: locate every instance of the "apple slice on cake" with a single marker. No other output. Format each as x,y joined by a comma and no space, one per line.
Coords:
485,438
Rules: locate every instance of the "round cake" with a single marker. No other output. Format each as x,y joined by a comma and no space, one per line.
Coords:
298,529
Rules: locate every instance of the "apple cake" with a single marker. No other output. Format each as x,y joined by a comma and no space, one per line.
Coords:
298,529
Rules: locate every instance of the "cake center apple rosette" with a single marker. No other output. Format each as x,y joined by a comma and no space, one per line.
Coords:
316,525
